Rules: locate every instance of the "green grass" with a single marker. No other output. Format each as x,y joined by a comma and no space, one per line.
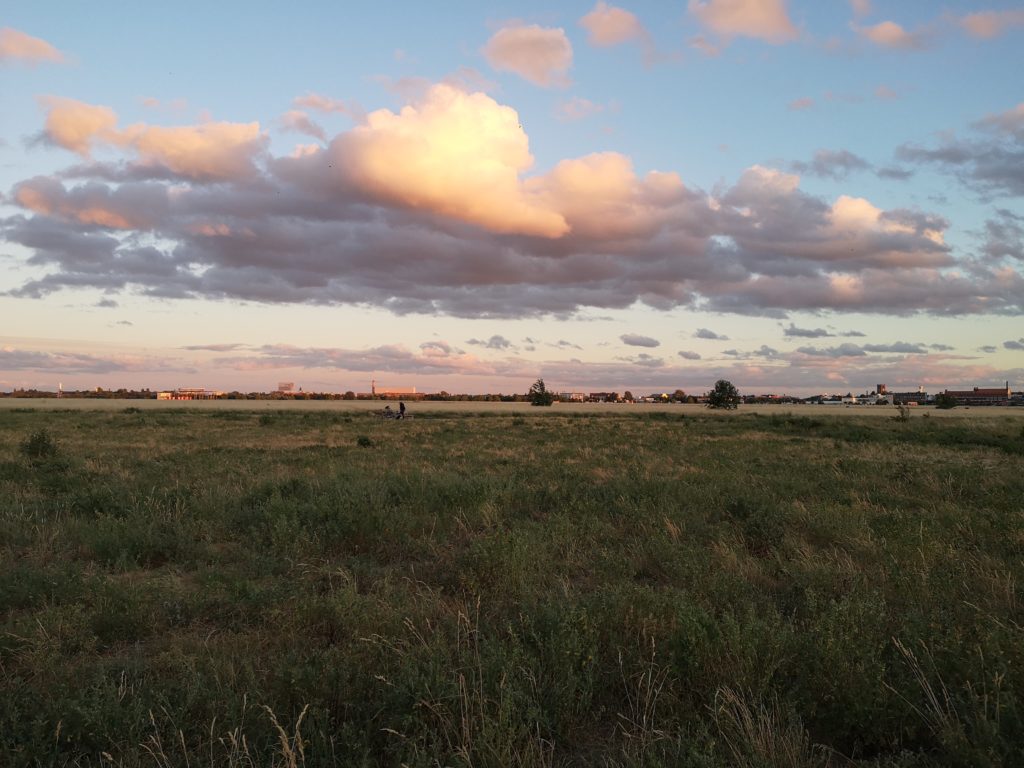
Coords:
294,588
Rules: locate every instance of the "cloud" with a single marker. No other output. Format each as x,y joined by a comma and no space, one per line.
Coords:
1004,235
765,20
805,102
495,342
885,93
436,209
889,34
577,108
456,153
1018,344
832,164
807,333
206,152
859,350
12,359
993,163
644,360
687,355
608,26
16,46
540,55
215,347
704,333
77,126
986,25
319,103
941,347
860,8
636,340
1009,123
988,348
764,351
298,121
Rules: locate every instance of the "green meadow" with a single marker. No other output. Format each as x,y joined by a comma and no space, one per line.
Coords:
211,587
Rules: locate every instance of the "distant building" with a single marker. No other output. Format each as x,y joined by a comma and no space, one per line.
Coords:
603,397
572,397
190,393
982,396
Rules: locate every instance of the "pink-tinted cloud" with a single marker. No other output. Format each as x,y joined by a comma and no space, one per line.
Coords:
538,54
860,8
889,34
797,105
765,20
205,152
436,209
577,108
986,25
298,121
77,126
609,26
16,46
319,103
456,154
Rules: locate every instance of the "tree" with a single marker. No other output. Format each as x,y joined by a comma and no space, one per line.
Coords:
724,395
627,396
679,396
539,394
945,401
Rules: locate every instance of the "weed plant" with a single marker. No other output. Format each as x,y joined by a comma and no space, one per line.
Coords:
186,588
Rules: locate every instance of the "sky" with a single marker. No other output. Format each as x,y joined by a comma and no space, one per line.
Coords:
799,197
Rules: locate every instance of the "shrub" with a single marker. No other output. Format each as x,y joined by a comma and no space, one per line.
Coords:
945,401
39,445
363,441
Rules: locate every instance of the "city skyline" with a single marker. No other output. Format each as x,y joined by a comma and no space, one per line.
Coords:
797,197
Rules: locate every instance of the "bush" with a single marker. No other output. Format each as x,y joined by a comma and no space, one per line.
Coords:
363,441
945,401
39,446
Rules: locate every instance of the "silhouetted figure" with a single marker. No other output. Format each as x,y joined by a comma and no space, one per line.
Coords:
401,409
388,413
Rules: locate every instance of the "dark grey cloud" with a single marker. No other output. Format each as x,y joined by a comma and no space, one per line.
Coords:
941,347
893,173
107,304
687,355
706,333
1004,235
991,162
807,333
644,360
832,164
848,349
214,347
495,342
988,348
636,340
1014,344
764,351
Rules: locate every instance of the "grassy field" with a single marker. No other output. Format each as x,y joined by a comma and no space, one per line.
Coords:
627,587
